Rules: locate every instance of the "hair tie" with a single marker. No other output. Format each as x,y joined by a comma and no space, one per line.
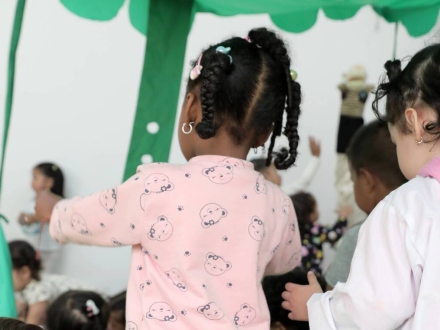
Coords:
197,70
224,50
293,74
91,308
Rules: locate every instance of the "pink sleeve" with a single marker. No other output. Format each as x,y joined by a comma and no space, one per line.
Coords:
287,254
113,217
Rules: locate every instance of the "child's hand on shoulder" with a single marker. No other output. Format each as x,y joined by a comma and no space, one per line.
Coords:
297,296
315,147
45,204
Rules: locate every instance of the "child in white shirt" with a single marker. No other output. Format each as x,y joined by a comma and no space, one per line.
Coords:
394,277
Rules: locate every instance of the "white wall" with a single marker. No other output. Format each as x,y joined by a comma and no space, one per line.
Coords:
76,92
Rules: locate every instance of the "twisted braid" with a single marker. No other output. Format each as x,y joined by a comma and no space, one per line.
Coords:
213,76
272,45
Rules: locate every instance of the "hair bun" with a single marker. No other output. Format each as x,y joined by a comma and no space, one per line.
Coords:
394,68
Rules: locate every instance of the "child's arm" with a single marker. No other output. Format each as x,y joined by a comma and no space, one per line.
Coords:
309,172
36,313
379,293
113,217
288,252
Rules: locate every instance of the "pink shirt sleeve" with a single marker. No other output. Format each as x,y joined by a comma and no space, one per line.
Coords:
287,255
113,217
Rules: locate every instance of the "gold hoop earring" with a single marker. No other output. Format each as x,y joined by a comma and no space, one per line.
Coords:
190,128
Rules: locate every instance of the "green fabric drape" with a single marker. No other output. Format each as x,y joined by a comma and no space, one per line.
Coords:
16,30
168,27
7,300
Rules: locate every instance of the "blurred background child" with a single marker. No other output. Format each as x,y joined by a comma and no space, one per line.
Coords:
45,176
35,291
313,234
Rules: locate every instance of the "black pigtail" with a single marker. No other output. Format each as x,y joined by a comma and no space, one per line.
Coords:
216,66
270,43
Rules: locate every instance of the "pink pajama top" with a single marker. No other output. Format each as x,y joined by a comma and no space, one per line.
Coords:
203,234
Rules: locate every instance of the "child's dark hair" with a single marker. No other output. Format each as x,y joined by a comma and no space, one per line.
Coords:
13,324
117,307
54,172
23,254
371,148
304,205
274,286
416,86
70,311
259,164
247,91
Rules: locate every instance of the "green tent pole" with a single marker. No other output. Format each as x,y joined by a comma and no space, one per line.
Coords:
16,30
169,23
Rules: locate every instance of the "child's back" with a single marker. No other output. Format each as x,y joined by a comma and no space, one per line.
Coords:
205,233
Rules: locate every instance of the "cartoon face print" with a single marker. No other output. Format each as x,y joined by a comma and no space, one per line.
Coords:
275,249
219,174
211,311
234,162
161,230
157,183
131,326
161,311
245,315
292,229
216,265
79,224
108,199
260,186
176,276
286,207
256,229
212,214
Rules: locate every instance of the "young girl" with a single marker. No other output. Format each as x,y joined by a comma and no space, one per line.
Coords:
205,233
313,234
394,277
78,310
45,176
35,291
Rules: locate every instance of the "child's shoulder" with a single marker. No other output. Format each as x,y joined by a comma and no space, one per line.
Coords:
417,195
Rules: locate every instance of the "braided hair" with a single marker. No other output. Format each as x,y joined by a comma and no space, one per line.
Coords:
247,91
417,85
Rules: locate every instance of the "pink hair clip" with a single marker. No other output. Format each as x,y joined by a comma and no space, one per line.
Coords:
91,308
197,70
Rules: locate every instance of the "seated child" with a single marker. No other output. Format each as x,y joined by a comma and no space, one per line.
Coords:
78,310
44,176
273,287
375,173
313,234
116,320
270,173
13,324
34,291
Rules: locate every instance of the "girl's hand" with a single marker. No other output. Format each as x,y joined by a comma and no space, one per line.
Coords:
26,219
44,205
315,147
297,296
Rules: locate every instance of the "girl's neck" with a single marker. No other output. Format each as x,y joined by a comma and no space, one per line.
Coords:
222,145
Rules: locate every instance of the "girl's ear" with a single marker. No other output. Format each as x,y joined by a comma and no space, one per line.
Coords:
414,123
50,183
191,109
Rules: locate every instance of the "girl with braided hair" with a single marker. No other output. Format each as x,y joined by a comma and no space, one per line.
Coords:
395,271
204,234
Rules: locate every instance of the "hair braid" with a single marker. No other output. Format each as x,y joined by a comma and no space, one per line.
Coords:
213,75
270,43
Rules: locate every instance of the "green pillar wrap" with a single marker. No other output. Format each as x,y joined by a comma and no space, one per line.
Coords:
16,30
7,300
169,23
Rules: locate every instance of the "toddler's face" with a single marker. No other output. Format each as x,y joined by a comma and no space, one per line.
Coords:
40,182
21,278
